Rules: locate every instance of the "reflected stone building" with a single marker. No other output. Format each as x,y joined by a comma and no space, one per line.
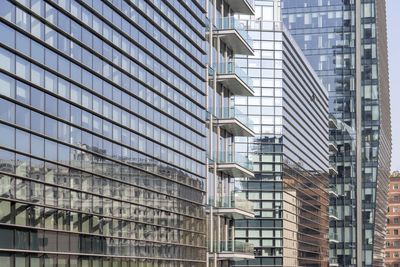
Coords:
102,133
346,43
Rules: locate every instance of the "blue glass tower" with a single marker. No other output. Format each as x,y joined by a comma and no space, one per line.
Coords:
346,43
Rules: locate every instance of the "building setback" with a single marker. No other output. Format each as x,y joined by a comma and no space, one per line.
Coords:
289,115
346,43
102,133
392,248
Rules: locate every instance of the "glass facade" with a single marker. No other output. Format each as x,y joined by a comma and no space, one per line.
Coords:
345,41
289,114
103,137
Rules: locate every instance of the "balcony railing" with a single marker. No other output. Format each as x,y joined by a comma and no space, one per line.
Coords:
230,68
333,146
333,262
232,202
333,237
231,23
233,247
332,169
332,191
333,212
333,124
233,113
235,158
230,113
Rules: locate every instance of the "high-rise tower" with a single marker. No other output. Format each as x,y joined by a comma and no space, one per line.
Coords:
289,116
226,202
346,43
102,133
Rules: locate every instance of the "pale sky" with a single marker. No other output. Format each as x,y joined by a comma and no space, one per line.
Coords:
393,21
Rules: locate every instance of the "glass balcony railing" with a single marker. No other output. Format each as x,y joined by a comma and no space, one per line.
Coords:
232,246
232,202
332,212
332,169
333,236
231,23
232,113
332,190
332,121
229,113
229,68
228,157
333,261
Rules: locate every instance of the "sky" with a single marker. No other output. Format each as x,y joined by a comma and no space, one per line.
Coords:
393,22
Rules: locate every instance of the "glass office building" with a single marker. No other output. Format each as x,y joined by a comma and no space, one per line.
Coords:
346,43
289,116
102,133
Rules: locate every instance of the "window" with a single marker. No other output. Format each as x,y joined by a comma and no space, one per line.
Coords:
7,111
22,93
23,141
37,99
6,241
7,136
6,60
38,126
37,146
6,85
5,260
396,232
23,68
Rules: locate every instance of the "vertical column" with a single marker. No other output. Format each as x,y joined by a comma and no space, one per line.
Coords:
233,236
359,230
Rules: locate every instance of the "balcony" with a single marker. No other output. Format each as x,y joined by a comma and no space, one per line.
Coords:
234,34
333,191
234,78
232,250
333,147
242,6
333,214
333,238
234,207
234,164
235,122
332,170
333,123
333,262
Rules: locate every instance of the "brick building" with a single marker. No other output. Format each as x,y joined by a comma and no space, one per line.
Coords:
392,249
